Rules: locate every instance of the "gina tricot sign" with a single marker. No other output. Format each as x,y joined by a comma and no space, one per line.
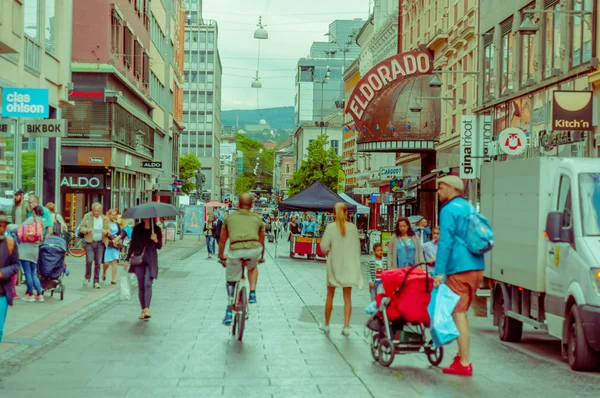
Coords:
382,75
86,181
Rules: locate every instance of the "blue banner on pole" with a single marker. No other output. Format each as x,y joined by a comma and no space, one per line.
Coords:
26,102
194,219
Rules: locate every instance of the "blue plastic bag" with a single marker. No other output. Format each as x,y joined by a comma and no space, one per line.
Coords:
443,328
371,308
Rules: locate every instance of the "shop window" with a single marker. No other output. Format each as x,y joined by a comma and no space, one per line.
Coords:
552,34
582,33
489,78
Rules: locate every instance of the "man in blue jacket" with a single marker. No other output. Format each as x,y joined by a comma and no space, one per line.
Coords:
462,269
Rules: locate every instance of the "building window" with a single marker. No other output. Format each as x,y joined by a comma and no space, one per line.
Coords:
335,145
527,59
137,59
582,33
115,40
506,83
32,16
287,168
489,79
552,45
128,47
51,27
146,70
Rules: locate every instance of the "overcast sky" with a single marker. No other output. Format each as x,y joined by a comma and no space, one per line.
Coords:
292,27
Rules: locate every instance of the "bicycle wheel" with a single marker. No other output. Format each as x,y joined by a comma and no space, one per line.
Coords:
75,246
241,312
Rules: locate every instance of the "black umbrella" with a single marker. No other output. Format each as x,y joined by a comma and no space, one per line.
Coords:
152,210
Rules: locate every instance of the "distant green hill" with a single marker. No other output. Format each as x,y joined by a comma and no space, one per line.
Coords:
278,118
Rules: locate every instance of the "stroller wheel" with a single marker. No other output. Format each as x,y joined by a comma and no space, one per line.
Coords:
434,355
386,352
375,346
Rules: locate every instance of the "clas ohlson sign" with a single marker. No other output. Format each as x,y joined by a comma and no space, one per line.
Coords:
25,102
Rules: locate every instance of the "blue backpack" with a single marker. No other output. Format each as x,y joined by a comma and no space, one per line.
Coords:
479,238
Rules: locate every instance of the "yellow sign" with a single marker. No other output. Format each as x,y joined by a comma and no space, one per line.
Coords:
385,241
341,188
557,256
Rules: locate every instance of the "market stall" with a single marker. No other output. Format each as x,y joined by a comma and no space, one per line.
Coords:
317,198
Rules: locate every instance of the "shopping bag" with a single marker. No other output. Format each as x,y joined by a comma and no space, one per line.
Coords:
443,328
125,286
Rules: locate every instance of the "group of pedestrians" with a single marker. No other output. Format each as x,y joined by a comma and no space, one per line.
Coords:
440,248
212,231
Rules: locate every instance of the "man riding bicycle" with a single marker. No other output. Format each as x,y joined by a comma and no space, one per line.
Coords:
246,233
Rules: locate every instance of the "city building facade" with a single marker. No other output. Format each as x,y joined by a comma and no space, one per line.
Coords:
119,142
522,69
202,98
308,132
283,169
35,52
228,166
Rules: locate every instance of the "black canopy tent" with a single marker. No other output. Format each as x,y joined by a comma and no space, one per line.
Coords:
317,197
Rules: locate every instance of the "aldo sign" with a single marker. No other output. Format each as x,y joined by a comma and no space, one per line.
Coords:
25,102
82,181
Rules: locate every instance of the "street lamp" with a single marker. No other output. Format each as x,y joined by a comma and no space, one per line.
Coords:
322,82
261,33
527,27
256,83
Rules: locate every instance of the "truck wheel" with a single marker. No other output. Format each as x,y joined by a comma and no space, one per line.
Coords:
579,354
509,329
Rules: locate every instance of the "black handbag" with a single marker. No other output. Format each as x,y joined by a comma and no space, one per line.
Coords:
137,259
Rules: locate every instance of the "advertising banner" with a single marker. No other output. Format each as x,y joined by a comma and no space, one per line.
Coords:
193,222
468,147
572,110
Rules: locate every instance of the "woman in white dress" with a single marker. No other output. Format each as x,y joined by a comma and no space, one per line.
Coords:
341,244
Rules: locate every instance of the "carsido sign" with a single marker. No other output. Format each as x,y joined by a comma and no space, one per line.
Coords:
383,75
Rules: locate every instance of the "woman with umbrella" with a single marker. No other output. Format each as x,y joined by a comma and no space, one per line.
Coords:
142,255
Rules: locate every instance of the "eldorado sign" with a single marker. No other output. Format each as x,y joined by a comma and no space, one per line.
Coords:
390,70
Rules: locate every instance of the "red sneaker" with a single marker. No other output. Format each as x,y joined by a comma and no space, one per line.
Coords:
457,369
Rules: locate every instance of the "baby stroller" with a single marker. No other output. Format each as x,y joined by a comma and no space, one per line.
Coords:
51,265
400,324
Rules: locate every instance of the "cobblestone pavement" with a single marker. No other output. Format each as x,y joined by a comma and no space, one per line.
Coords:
185,351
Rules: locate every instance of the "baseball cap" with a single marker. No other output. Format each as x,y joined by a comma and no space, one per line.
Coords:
452,181
19,192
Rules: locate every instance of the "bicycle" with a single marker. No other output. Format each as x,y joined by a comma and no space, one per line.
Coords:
240,302
75,244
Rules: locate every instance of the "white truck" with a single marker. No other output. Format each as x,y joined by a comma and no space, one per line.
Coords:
544,269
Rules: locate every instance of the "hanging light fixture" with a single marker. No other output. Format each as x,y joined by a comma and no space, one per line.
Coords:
261,33
256,83
435,82
527,27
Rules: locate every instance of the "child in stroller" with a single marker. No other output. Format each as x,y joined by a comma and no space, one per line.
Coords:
51,265
400,325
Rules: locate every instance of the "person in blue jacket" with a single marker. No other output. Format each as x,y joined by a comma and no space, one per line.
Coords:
462,269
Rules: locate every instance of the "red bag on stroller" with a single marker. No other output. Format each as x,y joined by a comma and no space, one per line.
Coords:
409,290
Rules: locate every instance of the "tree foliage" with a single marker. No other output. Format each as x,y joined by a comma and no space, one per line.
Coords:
244,184
188,168
255,153
320,165
28,170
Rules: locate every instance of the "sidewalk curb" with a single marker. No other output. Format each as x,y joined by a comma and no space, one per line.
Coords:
61,330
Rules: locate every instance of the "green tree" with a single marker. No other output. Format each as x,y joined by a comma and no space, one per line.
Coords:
29,161
320,165
255,153
244,184
188,168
